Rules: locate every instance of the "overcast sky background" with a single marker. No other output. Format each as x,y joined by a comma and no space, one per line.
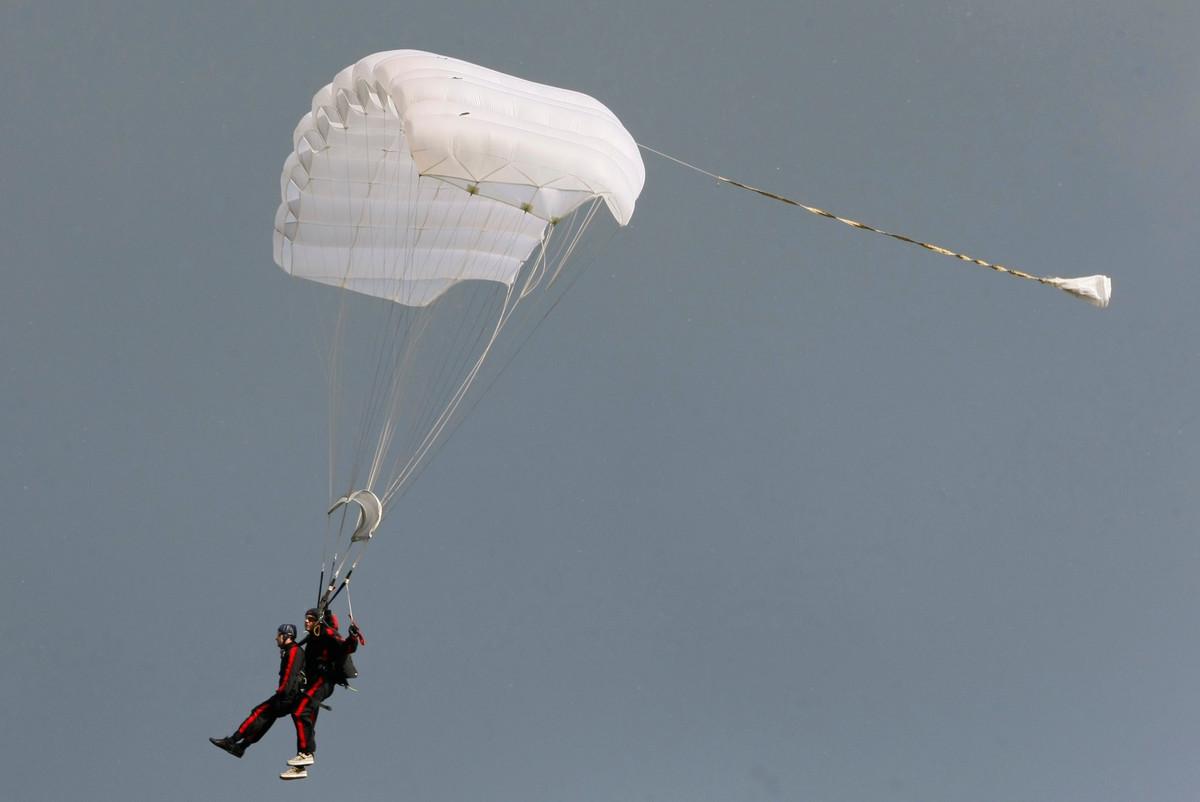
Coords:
768,509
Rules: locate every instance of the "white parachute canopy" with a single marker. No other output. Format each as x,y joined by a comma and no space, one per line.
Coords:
507,157
446,192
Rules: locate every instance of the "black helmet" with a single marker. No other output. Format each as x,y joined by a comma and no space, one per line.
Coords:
313,613
287,630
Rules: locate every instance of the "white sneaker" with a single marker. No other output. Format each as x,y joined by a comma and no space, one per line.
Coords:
294,773
301,759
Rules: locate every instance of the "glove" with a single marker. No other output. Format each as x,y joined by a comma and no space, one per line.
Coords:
356,633
353,630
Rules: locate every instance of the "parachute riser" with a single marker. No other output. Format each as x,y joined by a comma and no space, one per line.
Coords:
370,513
333,591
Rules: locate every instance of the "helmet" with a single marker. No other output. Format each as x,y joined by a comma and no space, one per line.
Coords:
287,630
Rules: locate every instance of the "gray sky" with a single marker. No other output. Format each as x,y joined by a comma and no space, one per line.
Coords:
767,509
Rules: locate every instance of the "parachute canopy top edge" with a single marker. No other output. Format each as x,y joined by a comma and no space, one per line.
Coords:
540,148
413,172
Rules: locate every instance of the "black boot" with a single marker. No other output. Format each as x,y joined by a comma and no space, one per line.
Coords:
229,745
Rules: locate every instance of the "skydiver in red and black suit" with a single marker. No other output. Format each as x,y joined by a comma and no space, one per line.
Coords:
281,703
324,656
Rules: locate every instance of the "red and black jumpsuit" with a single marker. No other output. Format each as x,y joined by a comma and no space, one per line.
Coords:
282,702
323,653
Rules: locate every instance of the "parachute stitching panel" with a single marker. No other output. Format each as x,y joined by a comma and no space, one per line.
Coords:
605,157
